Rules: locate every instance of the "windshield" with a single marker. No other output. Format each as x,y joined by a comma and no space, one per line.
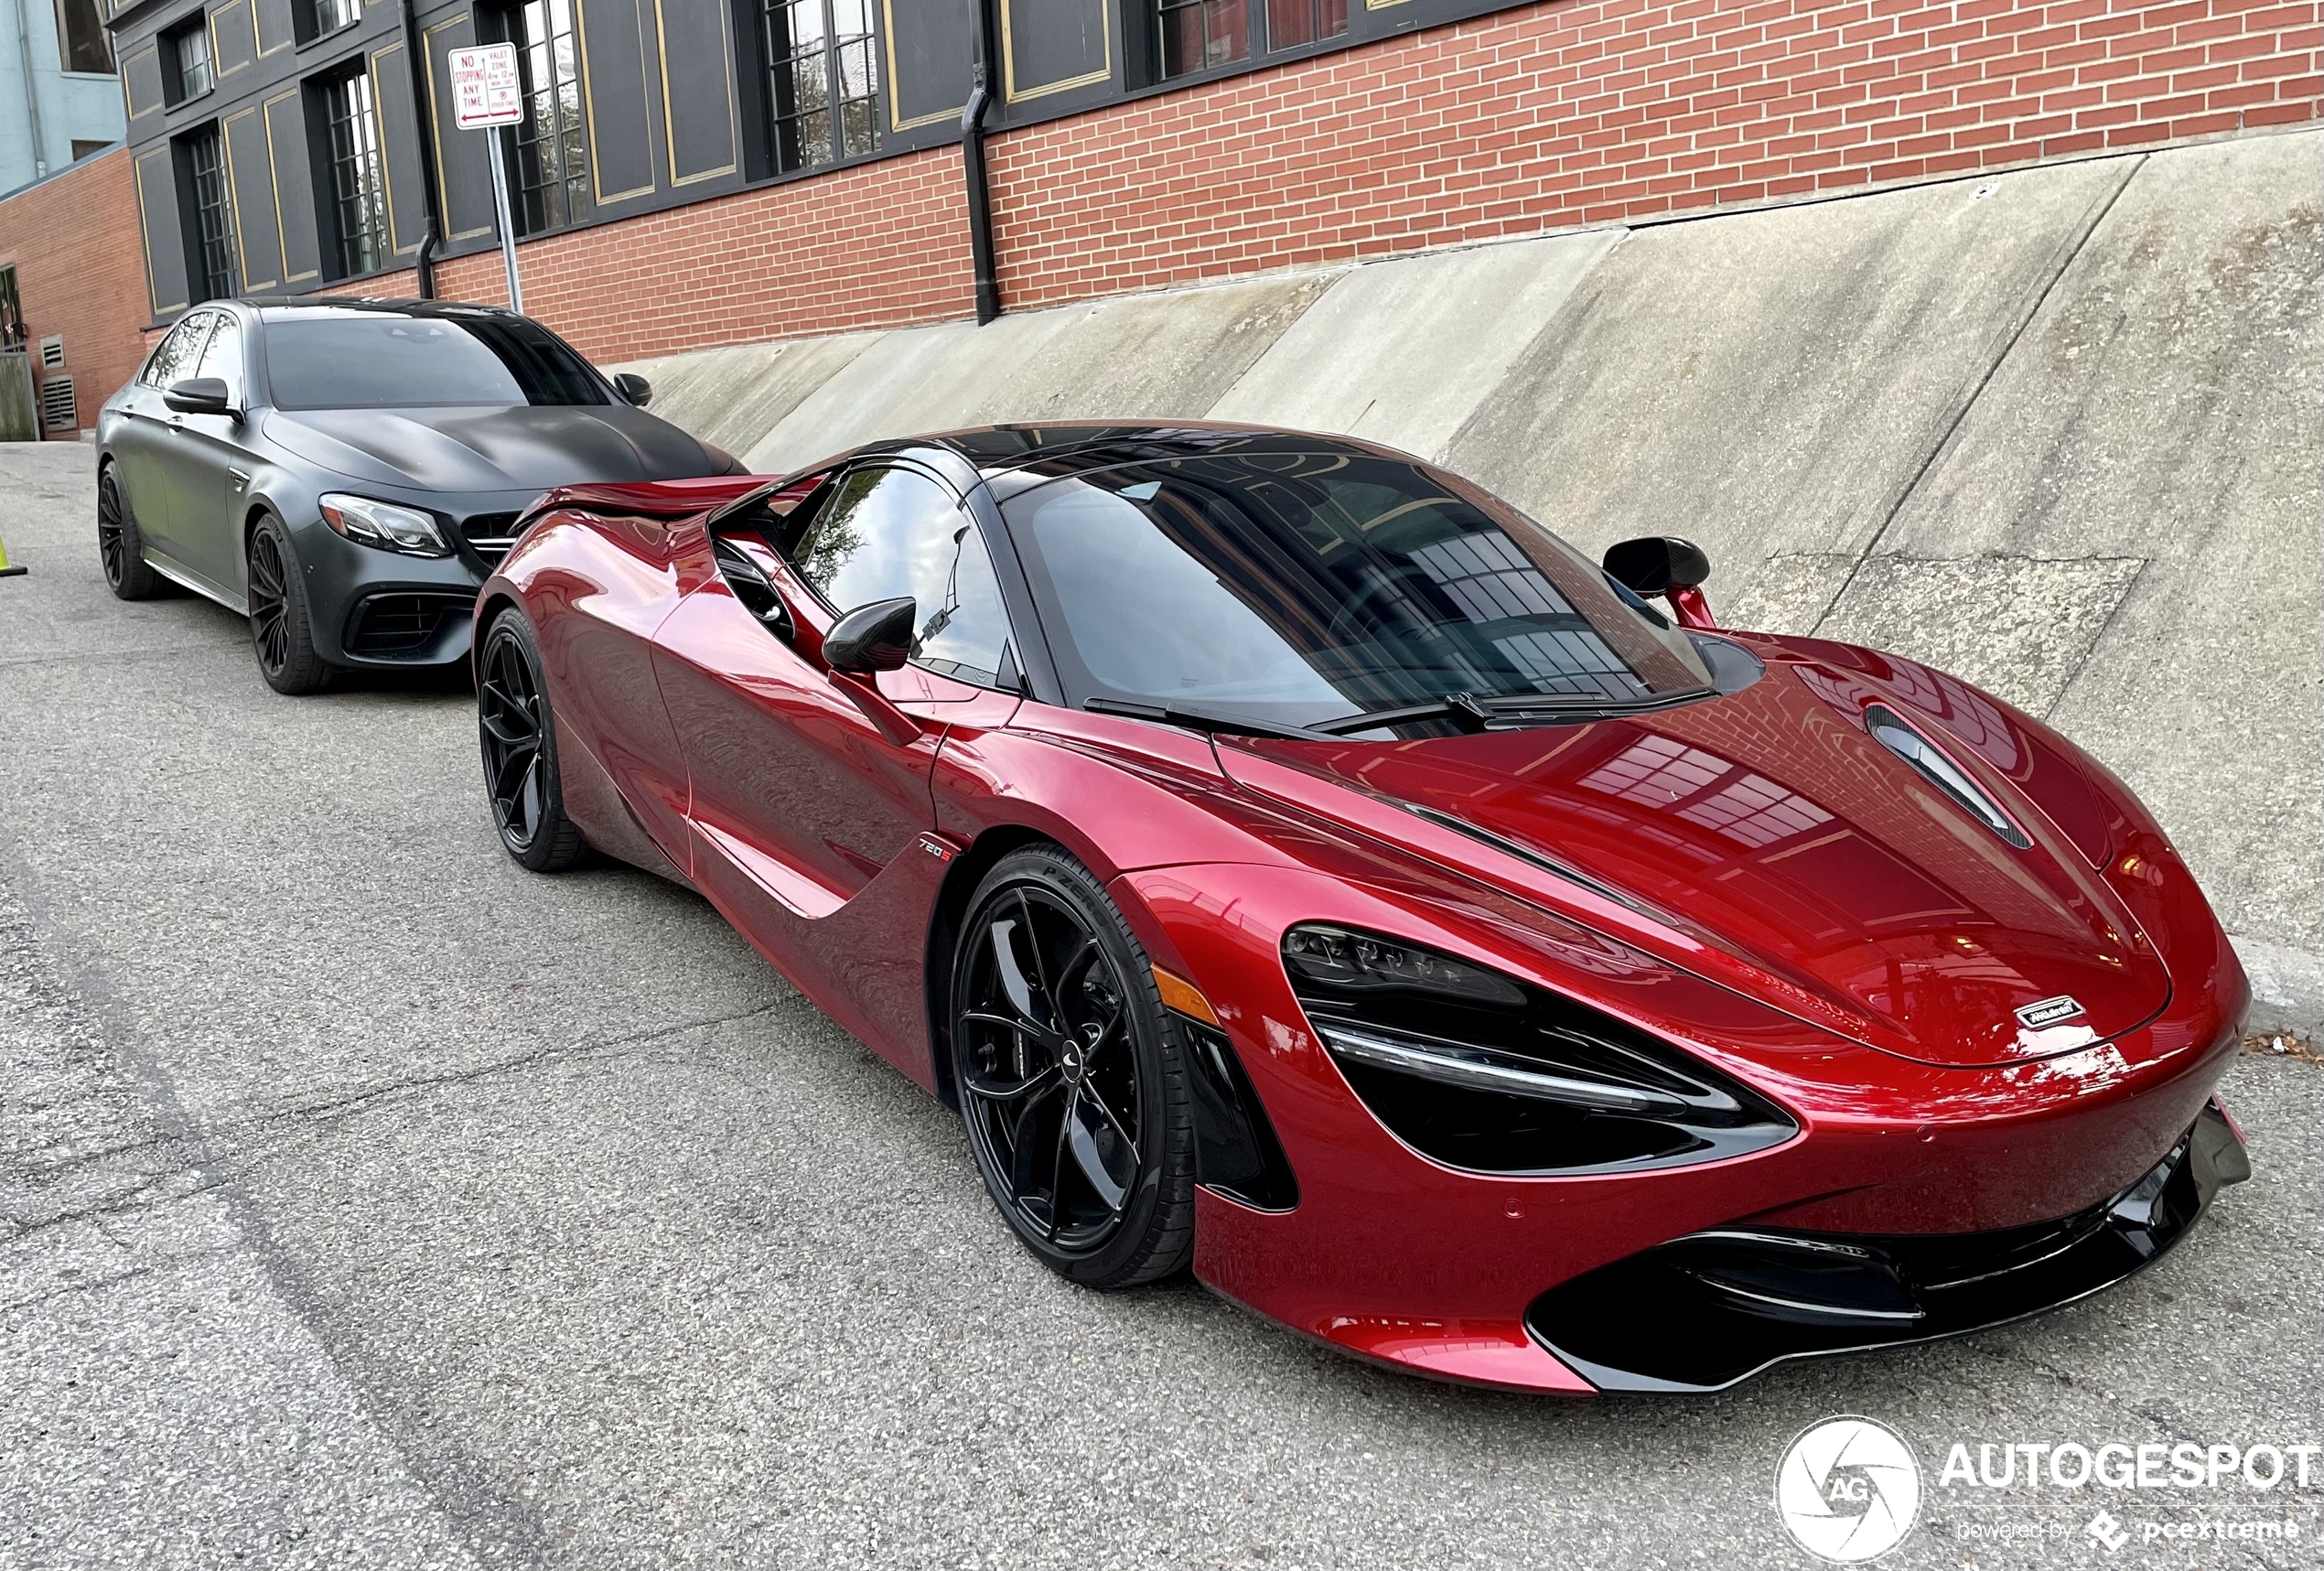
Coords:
1305,587
367,360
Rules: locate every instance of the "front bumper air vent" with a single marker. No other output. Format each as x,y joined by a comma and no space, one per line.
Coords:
1701,1312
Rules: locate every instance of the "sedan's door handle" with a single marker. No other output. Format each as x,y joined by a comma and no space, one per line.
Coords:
239,478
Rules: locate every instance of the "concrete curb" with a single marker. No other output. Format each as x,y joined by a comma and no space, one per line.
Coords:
2288,985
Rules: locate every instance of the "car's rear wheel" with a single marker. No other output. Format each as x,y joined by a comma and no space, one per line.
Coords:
119,545
282,628
1071,1080
518,736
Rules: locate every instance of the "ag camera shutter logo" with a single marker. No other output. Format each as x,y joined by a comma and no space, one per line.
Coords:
1849,1489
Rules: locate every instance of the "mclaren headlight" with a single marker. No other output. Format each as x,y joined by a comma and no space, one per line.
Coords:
1480,1071
384,525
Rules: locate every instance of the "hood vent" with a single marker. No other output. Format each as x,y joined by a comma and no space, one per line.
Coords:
1893,733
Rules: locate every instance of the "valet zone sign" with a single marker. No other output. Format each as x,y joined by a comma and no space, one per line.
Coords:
485,90
488,93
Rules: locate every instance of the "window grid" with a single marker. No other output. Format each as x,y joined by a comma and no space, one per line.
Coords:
213,230
358,191
1291,23
330,16
1198,35
191,45
549,187
823,80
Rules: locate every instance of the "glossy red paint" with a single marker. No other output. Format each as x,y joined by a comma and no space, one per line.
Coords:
1691,605
1752,879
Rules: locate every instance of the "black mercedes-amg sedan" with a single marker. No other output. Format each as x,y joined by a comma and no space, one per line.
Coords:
346,472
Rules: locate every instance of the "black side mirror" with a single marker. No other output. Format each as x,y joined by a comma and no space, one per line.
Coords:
633,389
1655,564
199,395
878,637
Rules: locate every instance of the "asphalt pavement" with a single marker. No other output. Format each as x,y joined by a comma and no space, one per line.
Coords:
366,1200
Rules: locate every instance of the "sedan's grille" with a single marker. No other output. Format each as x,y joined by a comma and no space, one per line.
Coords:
403,627
490,535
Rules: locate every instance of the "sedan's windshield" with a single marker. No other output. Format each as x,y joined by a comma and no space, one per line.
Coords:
1307,588
369,359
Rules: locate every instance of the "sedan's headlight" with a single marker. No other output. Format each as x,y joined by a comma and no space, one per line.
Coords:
1483,1071
384,525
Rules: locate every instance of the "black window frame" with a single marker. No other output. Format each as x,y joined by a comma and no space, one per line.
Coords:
1261,47
349,178
206,213
314,19
765,104
519,148
81,30
177,87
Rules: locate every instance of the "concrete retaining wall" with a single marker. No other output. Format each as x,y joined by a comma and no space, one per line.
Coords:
2059,430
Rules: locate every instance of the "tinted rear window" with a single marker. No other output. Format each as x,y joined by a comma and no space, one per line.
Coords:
374,361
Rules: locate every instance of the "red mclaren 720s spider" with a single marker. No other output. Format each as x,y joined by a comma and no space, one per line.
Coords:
1298,866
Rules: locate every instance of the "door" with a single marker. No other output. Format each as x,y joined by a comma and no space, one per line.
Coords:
143,445
796,781
209,464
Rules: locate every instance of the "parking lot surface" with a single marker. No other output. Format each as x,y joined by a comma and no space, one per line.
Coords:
366,1200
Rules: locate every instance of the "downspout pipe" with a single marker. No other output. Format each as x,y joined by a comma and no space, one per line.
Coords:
421,70
980,197
39,148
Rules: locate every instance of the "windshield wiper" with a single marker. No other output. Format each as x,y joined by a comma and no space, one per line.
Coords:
1510,713
1199,719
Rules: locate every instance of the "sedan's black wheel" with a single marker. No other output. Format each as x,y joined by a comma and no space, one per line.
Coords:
119,545
1070,1075
519,738
282,632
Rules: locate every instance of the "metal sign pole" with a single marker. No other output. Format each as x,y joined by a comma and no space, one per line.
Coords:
508,229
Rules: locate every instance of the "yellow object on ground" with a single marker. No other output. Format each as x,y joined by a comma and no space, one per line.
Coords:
7,571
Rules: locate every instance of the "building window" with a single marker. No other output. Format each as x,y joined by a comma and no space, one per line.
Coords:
823,80
1202,35
357,190
209,233
1291,23
548,160
185,54
81,149
81,41
316,17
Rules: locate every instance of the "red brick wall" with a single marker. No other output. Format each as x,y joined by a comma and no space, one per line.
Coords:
870,246
80,271
1529,120
1561,115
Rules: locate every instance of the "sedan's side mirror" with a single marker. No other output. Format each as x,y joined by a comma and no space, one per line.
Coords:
1657,564
878,637
633,389
200,396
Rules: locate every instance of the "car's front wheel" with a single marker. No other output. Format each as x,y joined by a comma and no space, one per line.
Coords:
119,545
519,739
1071,1080
282,628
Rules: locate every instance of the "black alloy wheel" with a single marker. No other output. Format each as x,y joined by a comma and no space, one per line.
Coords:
119,544
1070,1077
281,632
519,741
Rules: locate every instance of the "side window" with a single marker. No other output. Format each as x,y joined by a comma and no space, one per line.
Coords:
223,358
181,351
891,532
